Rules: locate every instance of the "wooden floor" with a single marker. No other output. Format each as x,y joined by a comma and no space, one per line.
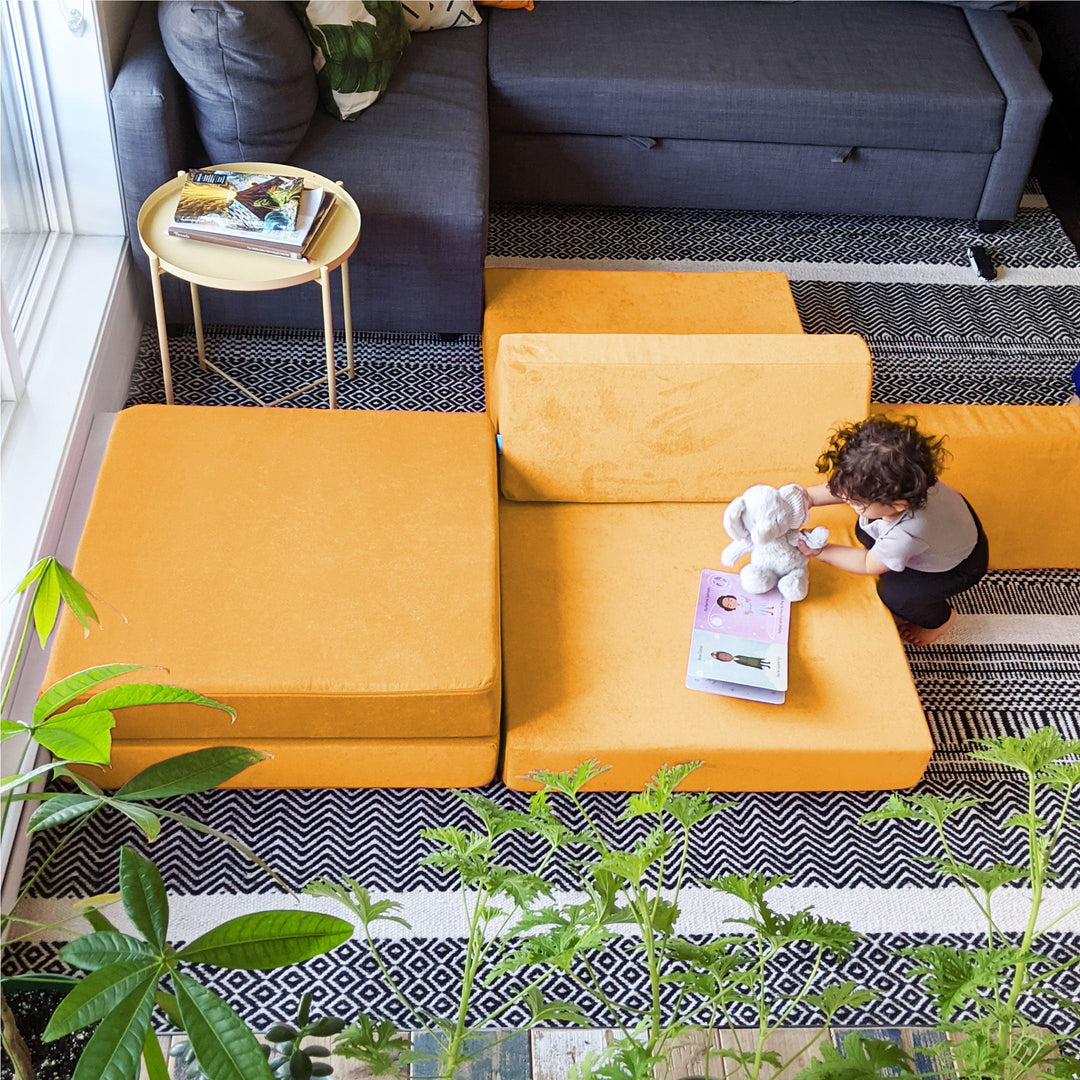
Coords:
549,1054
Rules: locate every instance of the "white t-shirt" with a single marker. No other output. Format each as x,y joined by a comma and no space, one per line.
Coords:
934,538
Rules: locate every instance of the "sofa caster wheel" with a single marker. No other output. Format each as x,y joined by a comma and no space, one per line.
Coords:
991,225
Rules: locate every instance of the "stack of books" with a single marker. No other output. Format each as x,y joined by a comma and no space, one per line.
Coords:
255,211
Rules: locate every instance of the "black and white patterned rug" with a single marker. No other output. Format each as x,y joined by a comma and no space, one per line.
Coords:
936,334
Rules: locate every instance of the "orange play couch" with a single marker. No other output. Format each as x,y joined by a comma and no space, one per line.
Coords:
386,604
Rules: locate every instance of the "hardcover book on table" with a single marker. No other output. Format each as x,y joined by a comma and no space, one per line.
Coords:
253,202
739,641
272,214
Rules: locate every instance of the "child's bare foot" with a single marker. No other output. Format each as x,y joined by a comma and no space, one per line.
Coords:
923,635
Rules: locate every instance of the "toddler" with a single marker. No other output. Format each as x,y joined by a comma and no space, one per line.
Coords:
922,540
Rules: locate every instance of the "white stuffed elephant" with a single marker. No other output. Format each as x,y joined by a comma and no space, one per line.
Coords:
765,521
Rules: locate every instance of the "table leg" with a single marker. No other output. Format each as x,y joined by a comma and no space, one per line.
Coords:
163,336
196,313
328,330
346,304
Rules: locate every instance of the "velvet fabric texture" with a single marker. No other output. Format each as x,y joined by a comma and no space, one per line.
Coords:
332,575
669,418
530,301
598,603
1019,467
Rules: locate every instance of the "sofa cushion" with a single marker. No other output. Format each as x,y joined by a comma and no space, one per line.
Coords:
417,166
903,75
357,44
531,300
597,608
657,418
1019,467
421,15
247,67
321,601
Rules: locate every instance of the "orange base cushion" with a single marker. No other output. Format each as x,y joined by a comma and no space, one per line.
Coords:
598,602
331,575
325,763
528,301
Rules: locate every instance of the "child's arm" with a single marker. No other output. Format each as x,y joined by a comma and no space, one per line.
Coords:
820,495
853,560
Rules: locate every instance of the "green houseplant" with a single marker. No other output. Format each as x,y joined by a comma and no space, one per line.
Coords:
979,993
640,886
79,732
494,895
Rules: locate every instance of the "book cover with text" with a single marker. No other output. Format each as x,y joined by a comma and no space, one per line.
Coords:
253,202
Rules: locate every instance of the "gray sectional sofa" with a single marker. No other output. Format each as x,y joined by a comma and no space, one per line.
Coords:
920,108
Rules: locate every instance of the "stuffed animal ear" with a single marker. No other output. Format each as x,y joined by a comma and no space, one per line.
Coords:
734,525
796,498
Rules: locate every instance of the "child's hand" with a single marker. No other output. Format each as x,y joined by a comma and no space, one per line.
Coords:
813,542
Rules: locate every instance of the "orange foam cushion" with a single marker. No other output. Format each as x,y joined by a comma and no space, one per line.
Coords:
1019,467
324,763
666,417
332,575
528,301
598,602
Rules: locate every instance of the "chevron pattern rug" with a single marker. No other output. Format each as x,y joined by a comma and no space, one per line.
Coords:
1013,662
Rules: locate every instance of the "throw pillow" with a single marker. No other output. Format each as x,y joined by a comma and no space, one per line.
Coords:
357,43
247,67
441,15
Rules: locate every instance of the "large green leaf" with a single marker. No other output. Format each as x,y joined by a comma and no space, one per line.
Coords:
56,582
114,1050
268,939
44,981
102,991
96,950
145,818
61,808
33,574
225,1048
144,897
12,782
187,774
86,737
127,695
74,595
10,728
46,602
60,693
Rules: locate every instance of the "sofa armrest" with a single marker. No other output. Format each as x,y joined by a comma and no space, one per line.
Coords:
1027,102
151,119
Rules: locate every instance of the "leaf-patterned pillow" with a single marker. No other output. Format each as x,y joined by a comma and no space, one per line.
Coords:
357,43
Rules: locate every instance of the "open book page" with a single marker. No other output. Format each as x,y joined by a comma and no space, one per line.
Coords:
739,641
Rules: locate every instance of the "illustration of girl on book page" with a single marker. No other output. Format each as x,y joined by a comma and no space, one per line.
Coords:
758,662
746,605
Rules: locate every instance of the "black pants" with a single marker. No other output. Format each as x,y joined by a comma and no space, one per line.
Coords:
922,598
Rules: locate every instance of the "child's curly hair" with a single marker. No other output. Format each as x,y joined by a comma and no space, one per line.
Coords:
881,459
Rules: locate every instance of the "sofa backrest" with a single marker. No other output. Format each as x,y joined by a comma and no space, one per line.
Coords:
669,417
1019,467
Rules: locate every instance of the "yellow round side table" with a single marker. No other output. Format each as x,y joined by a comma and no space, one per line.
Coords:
219,267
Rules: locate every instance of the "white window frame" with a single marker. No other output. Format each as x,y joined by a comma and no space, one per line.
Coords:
71,357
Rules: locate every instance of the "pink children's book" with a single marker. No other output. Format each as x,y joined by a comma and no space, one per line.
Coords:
739,643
